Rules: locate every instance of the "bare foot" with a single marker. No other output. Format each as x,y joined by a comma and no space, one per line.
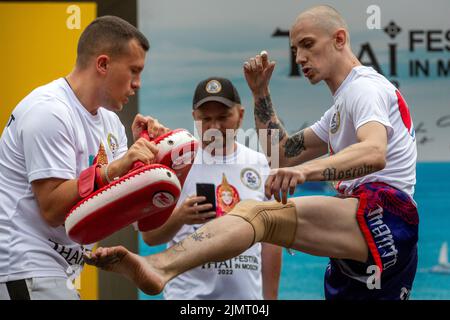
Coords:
136,268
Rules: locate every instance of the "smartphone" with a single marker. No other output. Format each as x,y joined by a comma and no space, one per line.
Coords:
207,190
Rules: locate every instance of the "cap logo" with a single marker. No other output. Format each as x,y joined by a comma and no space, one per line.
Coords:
213,86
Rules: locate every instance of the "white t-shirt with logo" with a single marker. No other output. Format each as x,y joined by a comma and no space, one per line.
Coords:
364,96
49,135
237,177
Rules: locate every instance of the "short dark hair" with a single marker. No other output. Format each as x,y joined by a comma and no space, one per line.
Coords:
109,35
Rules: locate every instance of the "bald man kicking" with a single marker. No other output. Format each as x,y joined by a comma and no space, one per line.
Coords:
369,230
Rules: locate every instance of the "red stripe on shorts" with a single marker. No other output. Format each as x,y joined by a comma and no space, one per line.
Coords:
366,232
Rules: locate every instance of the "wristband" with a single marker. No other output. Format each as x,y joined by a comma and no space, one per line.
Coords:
107,175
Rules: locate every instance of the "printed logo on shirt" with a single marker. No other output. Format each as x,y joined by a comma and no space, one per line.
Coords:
405,114
335,122
72,254
251,178
113,144
241,262
227,197
101,157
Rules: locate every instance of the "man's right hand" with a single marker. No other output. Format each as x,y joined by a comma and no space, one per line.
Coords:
189,211
258,71
142,150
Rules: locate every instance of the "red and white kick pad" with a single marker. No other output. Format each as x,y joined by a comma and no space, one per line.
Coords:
176,149
150,192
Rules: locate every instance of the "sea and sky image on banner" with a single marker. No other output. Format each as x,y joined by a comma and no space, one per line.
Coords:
407,41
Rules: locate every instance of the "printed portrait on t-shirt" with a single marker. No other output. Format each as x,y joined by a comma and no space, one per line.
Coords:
227,197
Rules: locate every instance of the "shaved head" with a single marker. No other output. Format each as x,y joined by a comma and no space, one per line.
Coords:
324,17
320,41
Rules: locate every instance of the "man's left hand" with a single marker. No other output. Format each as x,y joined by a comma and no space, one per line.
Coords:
152,125
283,180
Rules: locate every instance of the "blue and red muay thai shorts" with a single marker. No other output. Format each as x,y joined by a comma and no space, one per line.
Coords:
389,221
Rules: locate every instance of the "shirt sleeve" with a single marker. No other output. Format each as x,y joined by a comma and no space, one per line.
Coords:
322,127
265,172
48,139
123,144
370,104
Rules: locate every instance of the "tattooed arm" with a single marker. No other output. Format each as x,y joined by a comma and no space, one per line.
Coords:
366,156
293,150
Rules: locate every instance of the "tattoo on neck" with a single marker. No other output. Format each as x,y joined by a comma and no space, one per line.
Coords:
332,174
295,145
264,109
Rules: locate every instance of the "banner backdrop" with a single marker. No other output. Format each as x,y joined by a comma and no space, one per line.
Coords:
407,41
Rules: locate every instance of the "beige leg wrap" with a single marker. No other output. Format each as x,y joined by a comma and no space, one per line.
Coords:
273,222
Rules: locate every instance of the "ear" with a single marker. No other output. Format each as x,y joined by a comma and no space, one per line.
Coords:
102,63
241,112
241,115
341,39
197,121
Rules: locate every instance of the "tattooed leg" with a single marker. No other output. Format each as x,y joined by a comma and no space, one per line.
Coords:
325,226
209,243
138,269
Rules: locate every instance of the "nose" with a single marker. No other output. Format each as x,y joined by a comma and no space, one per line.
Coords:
300,58
136,83
215,124
211,131
207,127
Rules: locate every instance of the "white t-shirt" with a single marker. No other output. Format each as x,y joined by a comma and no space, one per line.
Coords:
365,96
50,135
237,177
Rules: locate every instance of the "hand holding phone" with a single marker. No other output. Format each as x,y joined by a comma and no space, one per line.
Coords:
207,190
